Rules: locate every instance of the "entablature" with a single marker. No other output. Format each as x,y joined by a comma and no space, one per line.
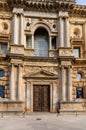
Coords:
44,6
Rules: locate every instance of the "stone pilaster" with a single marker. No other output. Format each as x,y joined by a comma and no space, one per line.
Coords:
18,26
66,33
55,96
19,82
28,96
12,84
22,30
69,84
84,35
15,27
63,84
61,34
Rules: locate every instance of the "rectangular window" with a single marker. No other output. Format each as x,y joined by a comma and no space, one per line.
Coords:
53,43
28,42
77,52
3,48
79,92
2,92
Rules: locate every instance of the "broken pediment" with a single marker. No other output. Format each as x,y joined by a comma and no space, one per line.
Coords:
42,74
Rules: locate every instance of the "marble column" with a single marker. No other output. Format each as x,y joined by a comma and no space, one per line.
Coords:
61,34
19,82
63,84
21,30
66,33
12,84
69,84
15,32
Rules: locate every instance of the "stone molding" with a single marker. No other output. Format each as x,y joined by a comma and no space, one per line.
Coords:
41,75
44,5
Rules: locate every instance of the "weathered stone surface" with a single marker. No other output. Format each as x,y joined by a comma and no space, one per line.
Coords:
65,25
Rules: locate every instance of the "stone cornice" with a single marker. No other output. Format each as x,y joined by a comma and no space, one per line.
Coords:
78,10
48,6
4,5
45,6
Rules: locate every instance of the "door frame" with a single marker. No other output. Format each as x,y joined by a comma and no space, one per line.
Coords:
30,95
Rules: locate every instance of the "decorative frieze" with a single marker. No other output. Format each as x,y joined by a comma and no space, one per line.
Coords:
66,63
65,52
30,23
16,61
17,49
38,63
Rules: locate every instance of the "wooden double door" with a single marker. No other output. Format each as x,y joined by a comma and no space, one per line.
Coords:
41,98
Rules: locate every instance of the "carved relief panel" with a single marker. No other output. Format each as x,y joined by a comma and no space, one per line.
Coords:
76,27
65,52
30,22
5,26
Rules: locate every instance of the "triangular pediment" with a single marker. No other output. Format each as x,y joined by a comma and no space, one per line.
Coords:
41,74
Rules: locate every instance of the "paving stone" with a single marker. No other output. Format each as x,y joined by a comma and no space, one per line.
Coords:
47,122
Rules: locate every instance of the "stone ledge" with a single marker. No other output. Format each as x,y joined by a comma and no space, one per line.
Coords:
11,112
76,101
10,101
68,112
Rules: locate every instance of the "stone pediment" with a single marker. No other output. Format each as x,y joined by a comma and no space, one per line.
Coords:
41,74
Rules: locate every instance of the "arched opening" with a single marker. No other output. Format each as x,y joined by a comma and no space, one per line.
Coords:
41,42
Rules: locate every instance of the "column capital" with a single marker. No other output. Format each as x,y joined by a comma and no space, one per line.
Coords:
20,65
61,66
11,64
63,14
70,67
63,17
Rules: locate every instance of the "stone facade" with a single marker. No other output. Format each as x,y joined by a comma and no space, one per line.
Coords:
61,70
